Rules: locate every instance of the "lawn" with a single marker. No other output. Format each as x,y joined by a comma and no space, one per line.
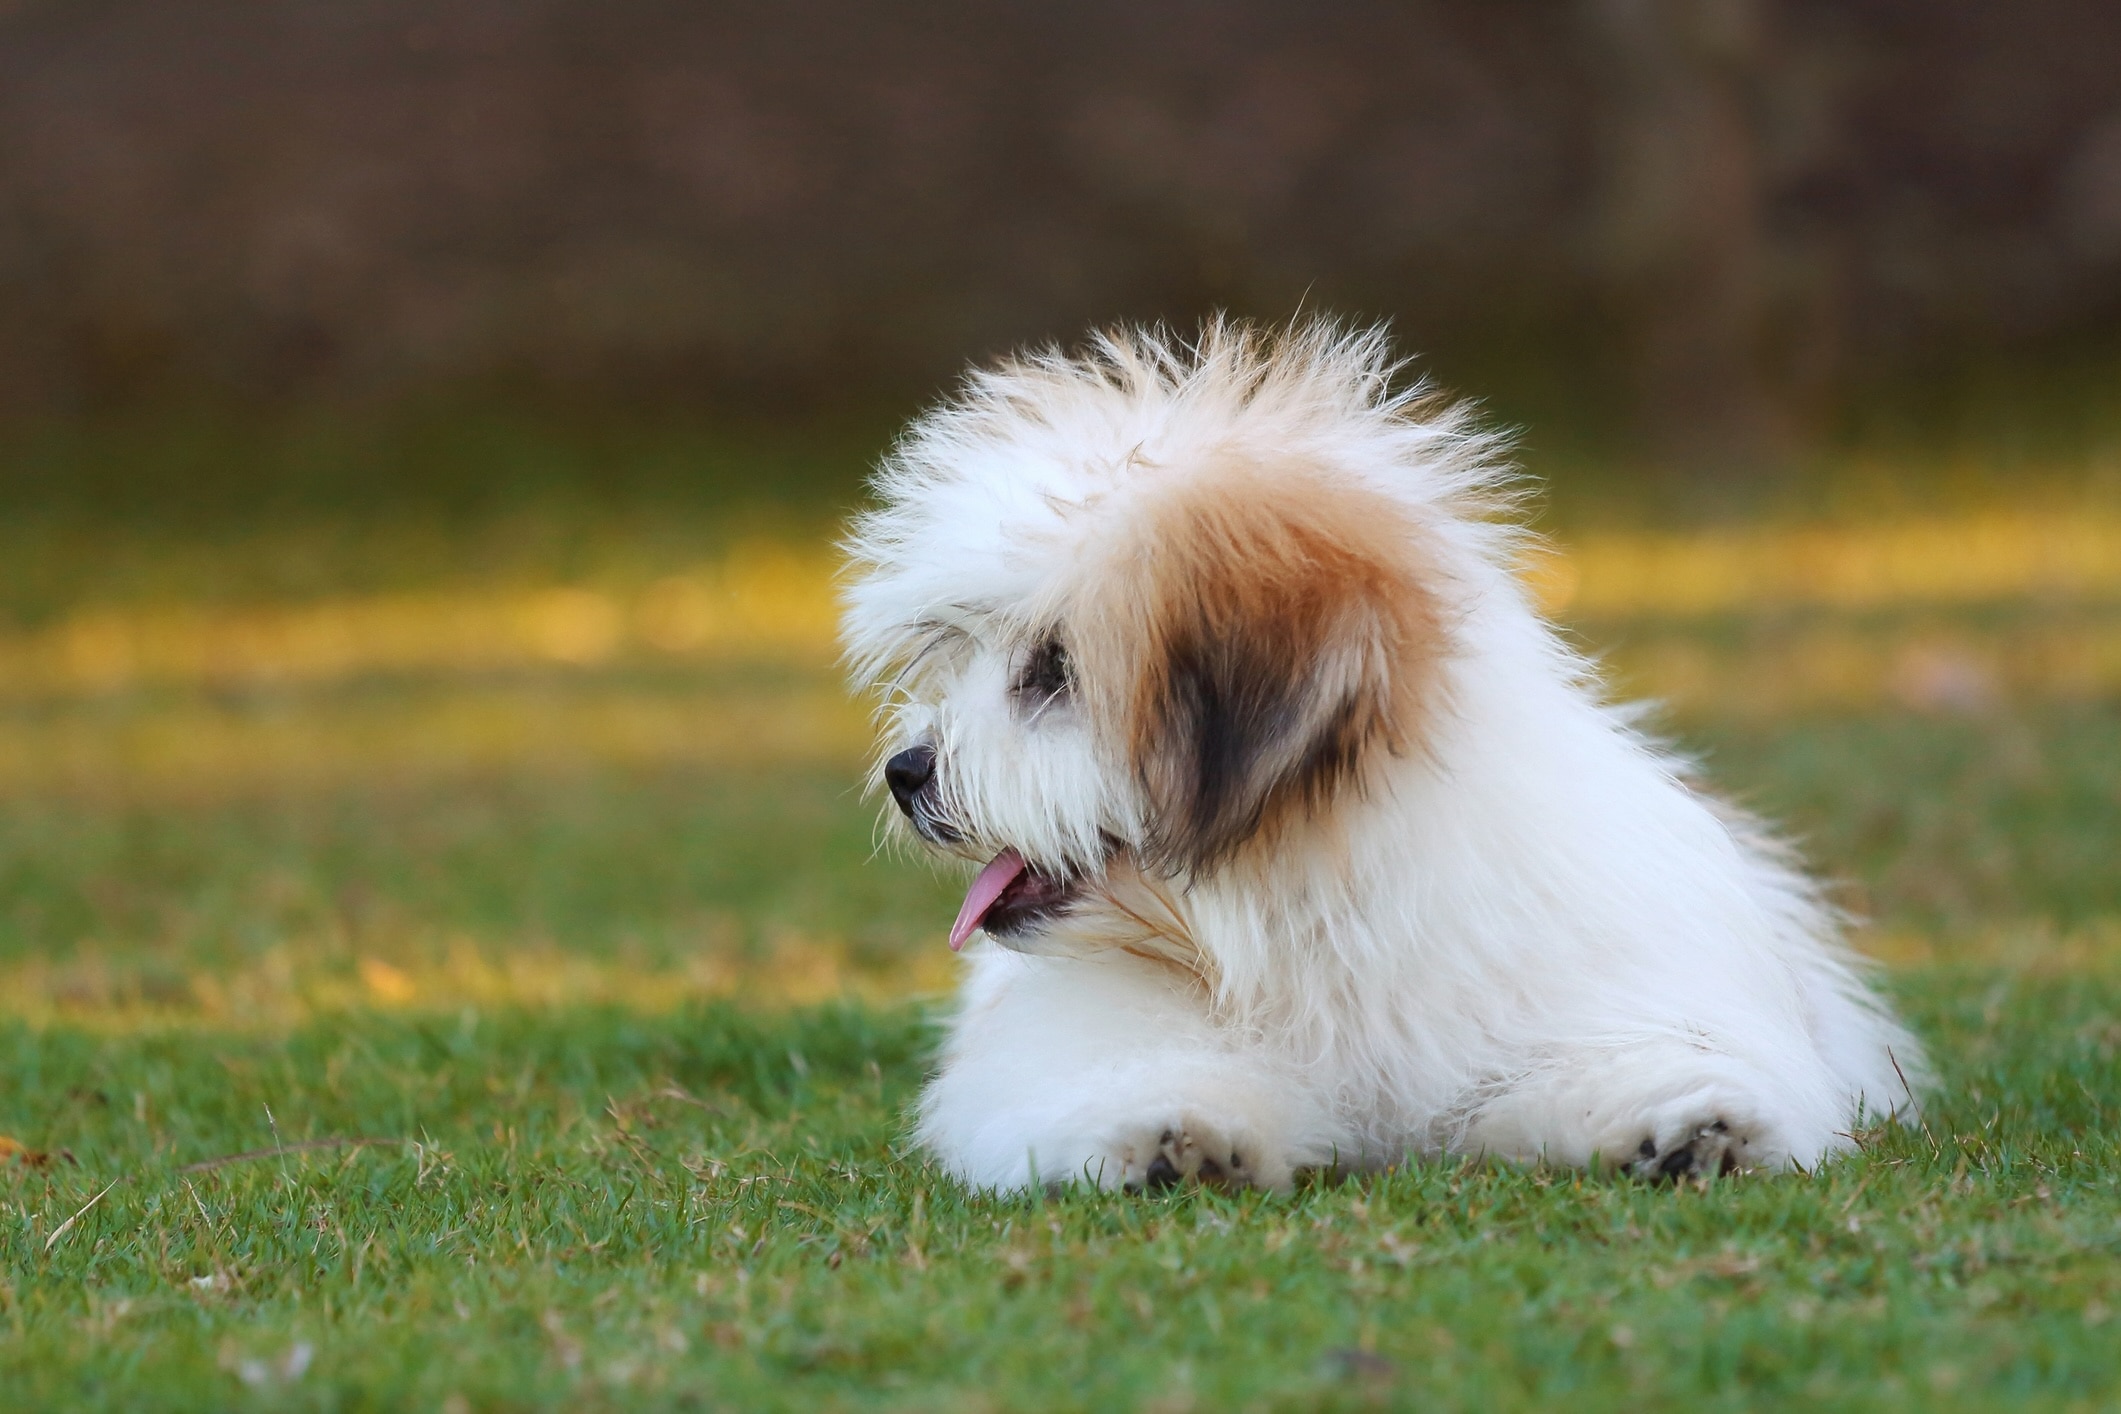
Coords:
530,1023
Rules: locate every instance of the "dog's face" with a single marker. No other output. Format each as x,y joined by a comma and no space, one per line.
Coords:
1114,677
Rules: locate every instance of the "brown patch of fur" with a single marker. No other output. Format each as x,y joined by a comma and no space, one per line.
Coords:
1155,932
1256,636
1138,914
1192,975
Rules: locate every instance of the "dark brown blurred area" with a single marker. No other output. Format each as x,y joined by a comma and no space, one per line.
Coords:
1721,218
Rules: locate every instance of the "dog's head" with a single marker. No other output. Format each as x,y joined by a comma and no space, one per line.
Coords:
1146,615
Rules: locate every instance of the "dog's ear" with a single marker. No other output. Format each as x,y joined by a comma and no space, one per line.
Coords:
1259,636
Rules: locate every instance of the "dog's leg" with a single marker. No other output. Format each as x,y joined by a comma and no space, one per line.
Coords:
1661,1109
1108,1071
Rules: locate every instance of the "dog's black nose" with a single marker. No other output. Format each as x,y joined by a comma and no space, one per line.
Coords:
907,772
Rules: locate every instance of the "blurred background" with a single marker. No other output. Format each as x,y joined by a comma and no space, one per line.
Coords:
423,425
1722,230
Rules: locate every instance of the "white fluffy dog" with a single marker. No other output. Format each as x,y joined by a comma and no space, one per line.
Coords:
1306,841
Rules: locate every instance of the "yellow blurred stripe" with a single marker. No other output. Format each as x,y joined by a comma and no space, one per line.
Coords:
305,978
200,745
193,742
226,700
1993,557
774,602
1937,666
763,603
301,979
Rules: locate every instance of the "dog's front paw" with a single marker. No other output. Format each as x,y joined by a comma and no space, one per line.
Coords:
1702,1150
1194,1150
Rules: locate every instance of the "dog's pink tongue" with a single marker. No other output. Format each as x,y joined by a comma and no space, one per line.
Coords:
1000,873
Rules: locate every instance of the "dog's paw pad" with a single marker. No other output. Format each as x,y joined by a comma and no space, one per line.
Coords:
1708,1151
1187,1153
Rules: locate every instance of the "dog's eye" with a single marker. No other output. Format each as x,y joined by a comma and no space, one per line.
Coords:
1046,673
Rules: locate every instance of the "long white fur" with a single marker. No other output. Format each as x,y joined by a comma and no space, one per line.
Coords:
1535,940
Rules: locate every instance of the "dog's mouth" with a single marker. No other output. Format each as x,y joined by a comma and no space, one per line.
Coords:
1011,897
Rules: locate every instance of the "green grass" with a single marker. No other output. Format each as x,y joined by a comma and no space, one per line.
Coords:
1944,829
637,868
595,1210
710,1204
605,1175
204,505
